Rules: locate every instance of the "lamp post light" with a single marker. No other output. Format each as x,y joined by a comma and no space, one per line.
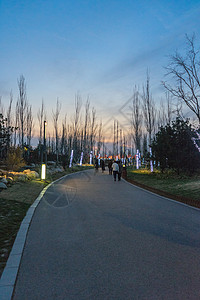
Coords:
43,172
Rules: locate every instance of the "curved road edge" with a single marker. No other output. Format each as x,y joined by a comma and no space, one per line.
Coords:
161,196
9,275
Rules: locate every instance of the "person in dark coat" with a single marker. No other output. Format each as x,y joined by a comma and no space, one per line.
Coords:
103,165
110,167
96,165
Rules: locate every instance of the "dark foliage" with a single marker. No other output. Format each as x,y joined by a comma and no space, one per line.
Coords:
173,147
5,136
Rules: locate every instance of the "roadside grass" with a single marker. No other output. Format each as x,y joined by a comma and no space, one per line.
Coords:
11,215
14,203
179,187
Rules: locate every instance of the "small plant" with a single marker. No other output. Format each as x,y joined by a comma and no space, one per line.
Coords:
14,160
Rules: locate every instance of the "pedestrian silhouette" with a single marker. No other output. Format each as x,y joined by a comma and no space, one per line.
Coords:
120,170
110,167
102,165
96,165
115,168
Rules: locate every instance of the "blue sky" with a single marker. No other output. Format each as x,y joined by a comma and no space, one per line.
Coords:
97,48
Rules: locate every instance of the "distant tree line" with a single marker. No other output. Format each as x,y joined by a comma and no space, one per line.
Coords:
150,124
83,133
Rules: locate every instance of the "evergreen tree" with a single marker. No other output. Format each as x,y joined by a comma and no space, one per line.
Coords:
5,135
173,147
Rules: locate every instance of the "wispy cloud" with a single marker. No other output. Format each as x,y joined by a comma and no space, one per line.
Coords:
169,41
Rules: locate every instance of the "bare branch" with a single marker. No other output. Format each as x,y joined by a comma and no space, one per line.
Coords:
185,71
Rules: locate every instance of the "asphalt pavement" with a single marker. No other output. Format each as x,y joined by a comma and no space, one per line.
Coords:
93,238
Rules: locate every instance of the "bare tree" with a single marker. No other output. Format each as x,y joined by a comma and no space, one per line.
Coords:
16,124
22,107
76,125
169,108
99,144
149,111
165,112
161,115
8,115
114,138
121,143
144,145
40,116
29,123
86,128
69,140
185,72
136,119
1,106
63,144
93,129
55,122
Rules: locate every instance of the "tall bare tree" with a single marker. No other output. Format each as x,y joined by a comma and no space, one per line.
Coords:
136,119
169,108
86,128
144,145
56,130
9,118
76,125
1,106
185,73
161,115
63,144
93,129
29,124
41,116
149,111
114,138
8,115
99,144
22,107
17,132
165,111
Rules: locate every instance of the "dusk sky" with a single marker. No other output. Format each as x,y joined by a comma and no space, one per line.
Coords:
100,49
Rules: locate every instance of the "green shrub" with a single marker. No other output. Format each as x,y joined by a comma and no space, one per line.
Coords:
14,160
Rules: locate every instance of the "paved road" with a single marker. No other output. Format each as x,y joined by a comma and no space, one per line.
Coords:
92,238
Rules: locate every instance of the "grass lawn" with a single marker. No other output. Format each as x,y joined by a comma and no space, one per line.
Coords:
14,203
179,187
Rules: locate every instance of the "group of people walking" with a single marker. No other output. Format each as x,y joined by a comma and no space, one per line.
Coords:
114,167
97,165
